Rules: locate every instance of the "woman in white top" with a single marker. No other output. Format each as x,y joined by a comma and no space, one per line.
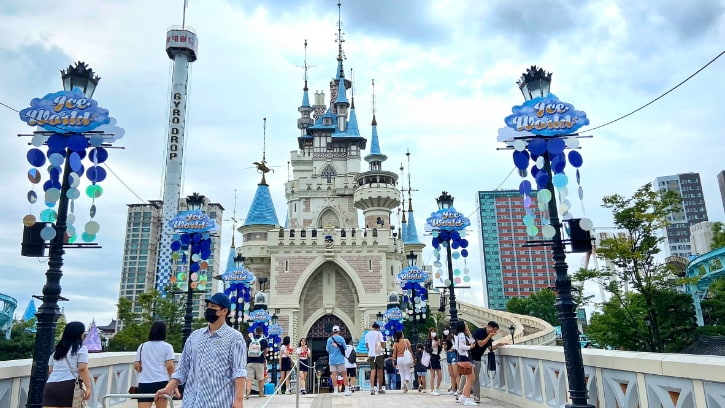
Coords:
464,342
285,362
154,365
305,356
68,362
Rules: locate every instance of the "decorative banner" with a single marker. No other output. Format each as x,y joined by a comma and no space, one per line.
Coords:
259,316
275,330
239,275
65,112
193,221
447,219
546,116
394,313
413,274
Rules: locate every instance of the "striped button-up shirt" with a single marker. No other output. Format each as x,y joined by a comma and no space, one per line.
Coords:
209,364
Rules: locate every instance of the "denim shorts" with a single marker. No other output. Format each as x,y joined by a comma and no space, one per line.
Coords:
452,357
421,373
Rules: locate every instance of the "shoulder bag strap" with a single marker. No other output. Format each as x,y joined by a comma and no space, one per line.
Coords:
140,356
71,368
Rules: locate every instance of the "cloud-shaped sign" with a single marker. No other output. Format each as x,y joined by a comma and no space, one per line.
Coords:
546,116
447,219
193,221
65,112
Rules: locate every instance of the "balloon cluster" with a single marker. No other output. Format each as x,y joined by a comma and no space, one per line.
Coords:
240,295
259,318
415,300
274,337
535,150
191,252
391,327
458,247
66,150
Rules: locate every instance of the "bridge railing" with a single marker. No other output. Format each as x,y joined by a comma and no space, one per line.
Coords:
535,376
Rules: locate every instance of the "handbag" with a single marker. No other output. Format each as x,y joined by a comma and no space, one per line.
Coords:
79,389
491,366
133,389
407,356
425,359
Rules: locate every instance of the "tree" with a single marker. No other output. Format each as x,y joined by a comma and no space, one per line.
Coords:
718,236
633,253
713,307
611,327
541,304
21,342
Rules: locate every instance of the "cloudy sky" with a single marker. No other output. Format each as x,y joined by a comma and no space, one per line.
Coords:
445,75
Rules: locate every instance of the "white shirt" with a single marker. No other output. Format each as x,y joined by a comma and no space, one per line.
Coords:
153,358
61,372
372,341
348,364
460,343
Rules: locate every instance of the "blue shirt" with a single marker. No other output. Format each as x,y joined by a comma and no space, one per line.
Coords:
209,364
336,354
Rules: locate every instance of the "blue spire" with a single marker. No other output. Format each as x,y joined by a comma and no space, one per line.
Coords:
305,99
341,91
30,311
375,153
286,221
403,230
262,211
411,235
230,259
352,127
340,74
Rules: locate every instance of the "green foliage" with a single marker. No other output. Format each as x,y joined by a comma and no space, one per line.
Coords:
154,308
622,324
640,218
21,341
541,304
718,236
713,308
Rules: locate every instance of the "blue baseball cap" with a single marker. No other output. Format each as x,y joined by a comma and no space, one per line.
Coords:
220,299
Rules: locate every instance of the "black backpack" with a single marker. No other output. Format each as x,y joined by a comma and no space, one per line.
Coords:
352,358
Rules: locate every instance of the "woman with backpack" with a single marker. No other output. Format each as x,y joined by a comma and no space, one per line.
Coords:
154,364
421,370
463,342
433,347
68,366
305,355
403,359
285,363
351,364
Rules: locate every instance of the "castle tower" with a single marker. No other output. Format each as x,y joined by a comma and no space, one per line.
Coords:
181,47
376,194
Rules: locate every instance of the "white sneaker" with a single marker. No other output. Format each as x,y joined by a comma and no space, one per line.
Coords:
435,392
347,392
470,402
335,392
405,386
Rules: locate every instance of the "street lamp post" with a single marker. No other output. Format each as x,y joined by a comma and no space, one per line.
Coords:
80,76
445,201
238,263
512,329
417,314
273,347
537,83
194,202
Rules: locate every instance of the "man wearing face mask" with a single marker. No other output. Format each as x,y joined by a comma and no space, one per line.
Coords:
213,363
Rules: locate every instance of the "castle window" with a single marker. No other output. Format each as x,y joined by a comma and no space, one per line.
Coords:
328,172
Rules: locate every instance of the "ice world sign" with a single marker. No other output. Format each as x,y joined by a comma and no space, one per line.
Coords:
239,276
193,221
394,313
447,219
546,116
412,274
65,112
259,316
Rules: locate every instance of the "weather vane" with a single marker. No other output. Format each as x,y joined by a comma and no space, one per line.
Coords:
262,166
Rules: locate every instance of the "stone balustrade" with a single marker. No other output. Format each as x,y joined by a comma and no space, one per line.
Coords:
535,376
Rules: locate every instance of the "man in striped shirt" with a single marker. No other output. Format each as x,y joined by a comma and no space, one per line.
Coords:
213,363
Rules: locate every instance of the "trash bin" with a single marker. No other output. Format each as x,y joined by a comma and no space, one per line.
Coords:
268,389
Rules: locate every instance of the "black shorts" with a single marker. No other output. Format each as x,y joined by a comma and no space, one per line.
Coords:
286,364
304,364
352,372
150,388
435,362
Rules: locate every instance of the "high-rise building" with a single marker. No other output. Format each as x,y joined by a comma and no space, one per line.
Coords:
677,234
510,270
143,232
701,237
721,183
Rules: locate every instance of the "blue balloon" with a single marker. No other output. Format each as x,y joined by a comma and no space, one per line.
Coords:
77,142
534,171
521,159
558,163
541,180
537,146
444,236
36,157
75,161
96,174
464,243
525,187
98,154
57,142
196,237
464,253
455,235
455,245
175,246
555,145
195,248
194,267
575,158
185,239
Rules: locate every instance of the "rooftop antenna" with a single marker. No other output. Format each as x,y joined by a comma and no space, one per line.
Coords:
339,40
262,166
352,88
306,67
375,122
234,219
402,192
410,186
183,17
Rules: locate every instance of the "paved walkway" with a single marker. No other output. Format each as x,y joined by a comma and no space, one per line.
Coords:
392,399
